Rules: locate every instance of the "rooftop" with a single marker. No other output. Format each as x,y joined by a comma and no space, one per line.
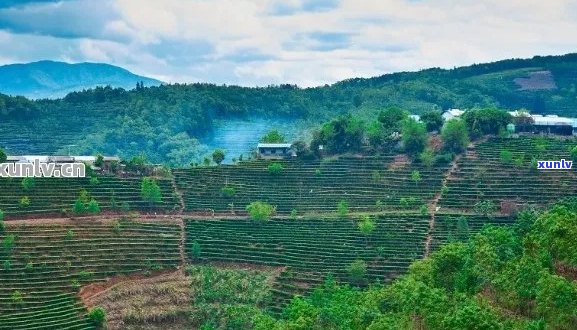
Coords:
274,145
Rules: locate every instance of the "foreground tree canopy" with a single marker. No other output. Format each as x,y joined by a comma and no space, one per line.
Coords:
518,277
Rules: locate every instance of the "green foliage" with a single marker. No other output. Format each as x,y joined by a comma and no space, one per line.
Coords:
272,136
424,210
486,121
227,298
294,214
8,242
414,136
486,208
218,156
574,154
416,177
2,226
433,120
24,202
506,157
228,192
99,161
97,316
3,156
343,208
94,181
69,235
150,191
28,183
367,225
17,298
275,168
357,271
343,134
195,250
455,136
427,157
93,207
78,207
260,211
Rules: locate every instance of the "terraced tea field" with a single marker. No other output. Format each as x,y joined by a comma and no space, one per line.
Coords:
451,228
43,266
53,195
310,186
483,175
310,249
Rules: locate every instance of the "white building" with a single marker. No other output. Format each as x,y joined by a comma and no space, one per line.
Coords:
452,113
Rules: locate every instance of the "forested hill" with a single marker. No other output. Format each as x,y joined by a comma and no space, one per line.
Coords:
50,79
164,122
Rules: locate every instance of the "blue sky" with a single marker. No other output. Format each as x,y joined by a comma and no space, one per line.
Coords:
262,42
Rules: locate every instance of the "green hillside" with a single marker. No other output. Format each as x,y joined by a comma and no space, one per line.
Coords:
167,122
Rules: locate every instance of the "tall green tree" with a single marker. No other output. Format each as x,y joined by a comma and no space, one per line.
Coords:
218,156
433,120
414,136
454,135
273,136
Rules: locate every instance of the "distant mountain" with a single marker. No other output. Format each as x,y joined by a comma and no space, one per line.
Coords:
49,79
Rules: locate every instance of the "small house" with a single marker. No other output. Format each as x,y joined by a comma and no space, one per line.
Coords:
275,150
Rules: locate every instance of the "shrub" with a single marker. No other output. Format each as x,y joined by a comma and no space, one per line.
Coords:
294,214
574,154
93,207
125,207
7,265
343,208
485,208
69,235
17,297
357,271
97,316
260,211
275,168
424,210
78,207
150,191
94,181
195,250
416,177
427,158
228,192
24,202
380,205
28,183
8,242
2,226
506,157
444,190
376,176
445,158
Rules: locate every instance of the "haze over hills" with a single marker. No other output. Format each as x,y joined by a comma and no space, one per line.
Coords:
176,124
51,79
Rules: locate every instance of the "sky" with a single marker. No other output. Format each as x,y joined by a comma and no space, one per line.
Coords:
264,42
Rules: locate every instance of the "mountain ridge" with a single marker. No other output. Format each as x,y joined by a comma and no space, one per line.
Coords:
55,79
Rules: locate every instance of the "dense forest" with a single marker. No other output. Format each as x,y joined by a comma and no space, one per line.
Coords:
167,122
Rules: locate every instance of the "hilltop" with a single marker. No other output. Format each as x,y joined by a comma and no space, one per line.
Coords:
50,79
180,123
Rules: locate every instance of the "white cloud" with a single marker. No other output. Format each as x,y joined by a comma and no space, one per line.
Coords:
260,42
